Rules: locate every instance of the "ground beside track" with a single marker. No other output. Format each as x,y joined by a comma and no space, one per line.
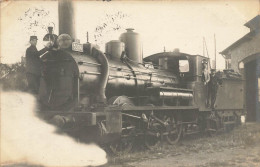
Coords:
240,148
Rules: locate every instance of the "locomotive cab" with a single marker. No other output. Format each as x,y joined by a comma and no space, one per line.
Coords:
188,69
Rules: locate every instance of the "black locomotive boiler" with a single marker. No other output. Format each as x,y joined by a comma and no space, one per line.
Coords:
117,97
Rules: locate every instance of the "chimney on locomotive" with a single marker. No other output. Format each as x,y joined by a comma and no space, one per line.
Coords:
66,18
133,45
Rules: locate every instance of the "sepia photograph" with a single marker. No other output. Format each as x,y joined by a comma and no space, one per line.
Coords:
130,83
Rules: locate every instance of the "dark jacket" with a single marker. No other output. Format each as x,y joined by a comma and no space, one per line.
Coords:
33,61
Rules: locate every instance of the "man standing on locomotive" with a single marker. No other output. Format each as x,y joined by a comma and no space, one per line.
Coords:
214,82
206,79
33,64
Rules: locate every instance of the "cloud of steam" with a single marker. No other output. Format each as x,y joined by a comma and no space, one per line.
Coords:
27,139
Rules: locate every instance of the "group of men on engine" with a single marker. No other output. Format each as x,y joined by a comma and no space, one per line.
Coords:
35,58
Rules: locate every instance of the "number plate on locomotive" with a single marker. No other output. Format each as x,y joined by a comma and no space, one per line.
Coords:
77,47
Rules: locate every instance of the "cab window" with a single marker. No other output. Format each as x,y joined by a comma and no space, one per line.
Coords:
184,66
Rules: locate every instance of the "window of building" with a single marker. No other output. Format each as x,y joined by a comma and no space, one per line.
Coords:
228,63
240,65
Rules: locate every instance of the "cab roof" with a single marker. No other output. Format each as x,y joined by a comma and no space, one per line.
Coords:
180,55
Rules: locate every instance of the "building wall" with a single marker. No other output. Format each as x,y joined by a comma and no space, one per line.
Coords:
245,49
258,90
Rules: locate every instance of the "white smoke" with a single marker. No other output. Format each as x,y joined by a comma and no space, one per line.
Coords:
27,139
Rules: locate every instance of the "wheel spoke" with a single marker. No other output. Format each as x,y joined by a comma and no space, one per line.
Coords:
126,142
152,135
174,130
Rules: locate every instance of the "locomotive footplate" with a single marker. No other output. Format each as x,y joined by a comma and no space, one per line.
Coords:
110,121
62,119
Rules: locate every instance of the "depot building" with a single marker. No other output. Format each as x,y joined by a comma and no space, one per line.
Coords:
244,56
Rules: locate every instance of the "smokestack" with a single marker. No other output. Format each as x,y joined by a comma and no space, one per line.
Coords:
66,18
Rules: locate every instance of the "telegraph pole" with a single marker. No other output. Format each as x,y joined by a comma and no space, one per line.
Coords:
203,47
215,51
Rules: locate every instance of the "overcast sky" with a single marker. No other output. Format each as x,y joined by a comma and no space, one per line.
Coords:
169,24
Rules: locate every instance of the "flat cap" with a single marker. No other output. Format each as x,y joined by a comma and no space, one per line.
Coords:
33,37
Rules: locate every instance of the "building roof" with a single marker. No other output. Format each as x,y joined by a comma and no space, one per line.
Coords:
253,24
246,37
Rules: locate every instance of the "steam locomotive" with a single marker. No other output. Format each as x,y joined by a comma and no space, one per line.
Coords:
117,97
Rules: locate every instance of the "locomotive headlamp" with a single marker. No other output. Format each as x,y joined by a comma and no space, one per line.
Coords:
50,37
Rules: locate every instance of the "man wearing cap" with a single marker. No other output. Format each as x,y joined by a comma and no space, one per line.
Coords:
205,72
214,82
206,79
33,64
